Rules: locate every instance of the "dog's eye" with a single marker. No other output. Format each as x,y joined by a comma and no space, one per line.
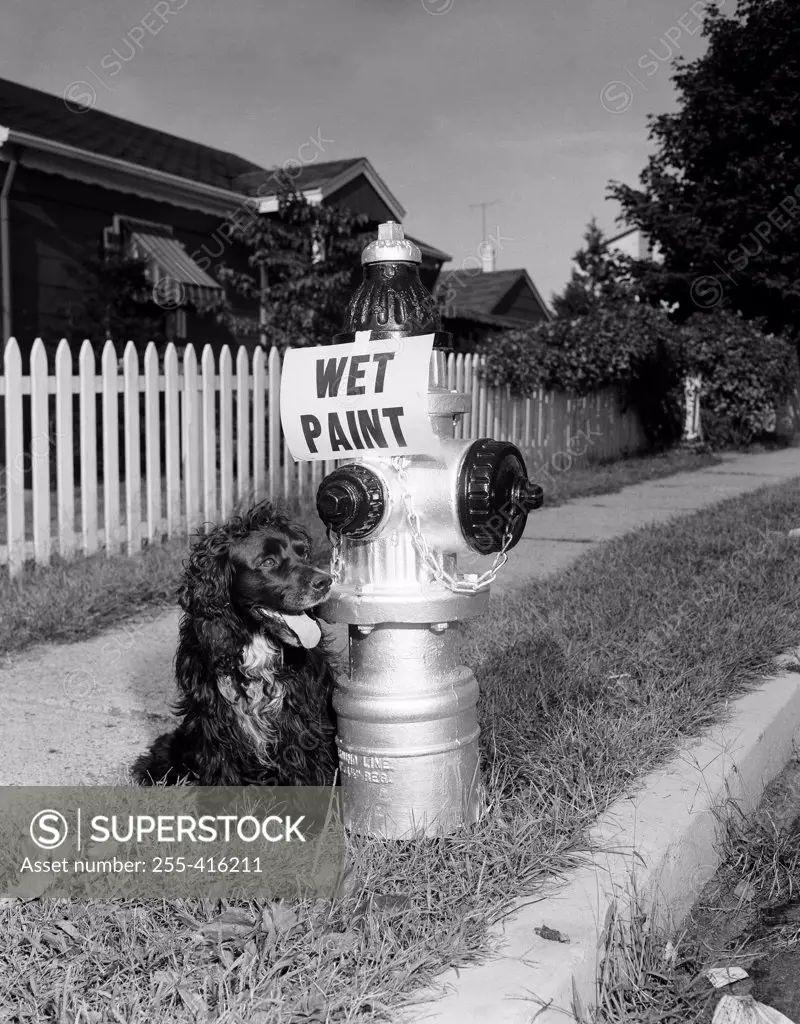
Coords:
302,551
268,563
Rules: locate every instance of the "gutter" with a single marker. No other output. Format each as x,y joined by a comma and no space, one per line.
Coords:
189,189
5,244
269,202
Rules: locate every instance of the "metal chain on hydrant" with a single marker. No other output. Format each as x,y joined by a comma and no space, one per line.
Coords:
336,555
458,584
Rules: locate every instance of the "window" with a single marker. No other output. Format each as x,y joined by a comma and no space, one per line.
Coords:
177,325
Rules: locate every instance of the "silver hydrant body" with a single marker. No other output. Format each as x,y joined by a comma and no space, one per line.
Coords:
407,723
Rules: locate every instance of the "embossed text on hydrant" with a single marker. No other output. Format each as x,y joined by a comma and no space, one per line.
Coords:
366,767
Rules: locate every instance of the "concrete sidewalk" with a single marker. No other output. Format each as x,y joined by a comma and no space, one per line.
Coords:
80,713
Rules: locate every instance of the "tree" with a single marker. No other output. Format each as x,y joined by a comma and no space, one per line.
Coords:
311,255
721,194
116,303
599,276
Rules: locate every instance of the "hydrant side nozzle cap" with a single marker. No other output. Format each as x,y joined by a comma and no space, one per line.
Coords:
391,246
351,501
493,485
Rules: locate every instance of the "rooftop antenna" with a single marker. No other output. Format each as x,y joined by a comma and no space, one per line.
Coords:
486,250
483,207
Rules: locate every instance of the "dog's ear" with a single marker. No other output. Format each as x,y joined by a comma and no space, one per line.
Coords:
208,648
220,642
205,596
207,577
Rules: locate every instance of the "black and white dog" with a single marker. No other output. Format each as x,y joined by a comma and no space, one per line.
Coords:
253,670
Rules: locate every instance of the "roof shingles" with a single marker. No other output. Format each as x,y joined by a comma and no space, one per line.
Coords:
479,291
38,113
307,176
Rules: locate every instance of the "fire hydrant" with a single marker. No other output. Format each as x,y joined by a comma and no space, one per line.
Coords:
407,723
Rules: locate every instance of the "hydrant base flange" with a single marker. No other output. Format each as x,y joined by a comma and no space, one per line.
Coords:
371,607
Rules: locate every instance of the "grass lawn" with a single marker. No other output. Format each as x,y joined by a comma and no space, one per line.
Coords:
71,601
589,679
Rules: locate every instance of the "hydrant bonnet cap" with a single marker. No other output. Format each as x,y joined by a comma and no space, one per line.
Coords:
391,246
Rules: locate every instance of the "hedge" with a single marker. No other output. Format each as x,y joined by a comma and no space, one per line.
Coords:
747,374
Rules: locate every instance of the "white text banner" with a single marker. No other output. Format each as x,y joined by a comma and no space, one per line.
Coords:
364,397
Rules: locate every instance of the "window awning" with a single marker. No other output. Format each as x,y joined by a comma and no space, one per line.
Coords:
170,262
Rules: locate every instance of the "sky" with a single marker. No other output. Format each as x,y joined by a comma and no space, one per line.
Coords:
530,105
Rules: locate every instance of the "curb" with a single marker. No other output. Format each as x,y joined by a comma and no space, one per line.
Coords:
661,840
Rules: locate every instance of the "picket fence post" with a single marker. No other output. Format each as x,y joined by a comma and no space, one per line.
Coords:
152,430
110,389
40,461
65,470
13,484
242,426
190,426
133,455
172,439
88,446
274,459
259,423
226,432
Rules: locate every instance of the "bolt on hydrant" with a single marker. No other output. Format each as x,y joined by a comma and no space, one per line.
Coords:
407,722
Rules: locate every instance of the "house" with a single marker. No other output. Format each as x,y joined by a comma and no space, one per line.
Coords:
73,183
479,301
635,243
353,184
76,183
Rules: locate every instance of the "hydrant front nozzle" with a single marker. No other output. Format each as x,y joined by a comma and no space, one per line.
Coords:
351,501
336,505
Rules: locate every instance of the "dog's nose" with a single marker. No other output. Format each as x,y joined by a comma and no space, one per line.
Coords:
322,582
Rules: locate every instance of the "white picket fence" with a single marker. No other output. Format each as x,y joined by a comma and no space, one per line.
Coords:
211,440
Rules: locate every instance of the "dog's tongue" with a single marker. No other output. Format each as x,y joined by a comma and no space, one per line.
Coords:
304,628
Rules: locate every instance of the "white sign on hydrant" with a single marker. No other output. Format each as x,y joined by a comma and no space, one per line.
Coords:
342,401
